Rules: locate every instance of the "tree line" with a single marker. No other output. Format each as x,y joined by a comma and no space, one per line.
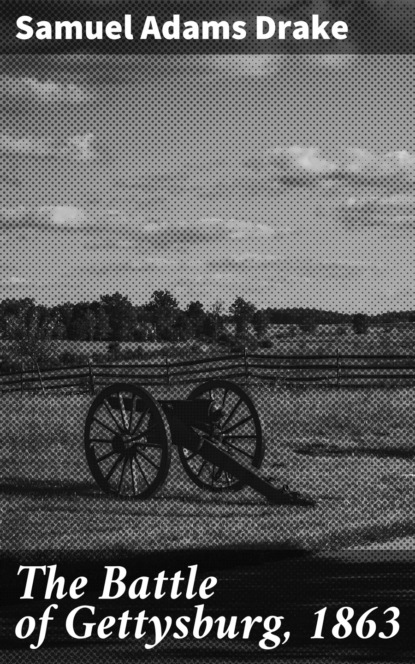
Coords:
116,318
30,328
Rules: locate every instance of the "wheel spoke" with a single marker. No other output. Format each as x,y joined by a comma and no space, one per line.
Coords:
201,467
225,394
113,467
237,449
105,426
141,470
140,420
192,456
215,474
132,475
106,456
241,436
233,411
228,479
106,404
145,433
133,404
123,411
101,440
237,425
122,475
150,461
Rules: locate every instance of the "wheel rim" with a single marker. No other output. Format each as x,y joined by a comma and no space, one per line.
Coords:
239,433
127,442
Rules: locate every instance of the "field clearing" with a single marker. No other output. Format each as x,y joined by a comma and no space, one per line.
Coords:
352,451
326,339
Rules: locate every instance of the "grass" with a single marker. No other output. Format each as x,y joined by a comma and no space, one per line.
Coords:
326,340
351,451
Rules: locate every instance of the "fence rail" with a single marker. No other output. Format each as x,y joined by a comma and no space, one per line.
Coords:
324,370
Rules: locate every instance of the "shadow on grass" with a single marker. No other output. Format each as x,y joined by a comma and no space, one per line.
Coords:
36,487
318,449
14,486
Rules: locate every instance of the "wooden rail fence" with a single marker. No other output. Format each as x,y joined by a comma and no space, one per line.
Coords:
333,371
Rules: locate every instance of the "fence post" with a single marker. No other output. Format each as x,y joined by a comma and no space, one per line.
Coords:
167,371
91,378
246,366
40,378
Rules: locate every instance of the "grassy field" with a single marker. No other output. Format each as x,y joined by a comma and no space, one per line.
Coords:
325,340
351,451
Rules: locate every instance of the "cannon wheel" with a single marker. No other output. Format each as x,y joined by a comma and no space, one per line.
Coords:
127,441
239,433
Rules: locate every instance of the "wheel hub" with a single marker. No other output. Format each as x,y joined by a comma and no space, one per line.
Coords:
122,443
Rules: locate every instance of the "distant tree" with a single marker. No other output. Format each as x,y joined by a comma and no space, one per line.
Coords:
102,330
260,323
12,309
31,334
122,317
242,313
65,313
163,311
83,323
144,331
183,329
217,317
307,323
360,324
195,310
163,299
196,315
209,326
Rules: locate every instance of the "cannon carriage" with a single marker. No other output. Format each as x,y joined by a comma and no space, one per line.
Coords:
129,437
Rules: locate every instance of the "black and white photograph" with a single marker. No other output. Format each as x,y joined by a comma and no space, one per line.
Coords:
207,331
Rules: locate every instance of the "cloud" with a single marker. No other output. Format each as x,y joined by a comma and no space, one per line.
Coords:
13,213
60,216
12,280
297,165
207,228
73,147
369,165
368,209
65,215
296,158
245,65
244,260
309,159
26,145
379,202
31,89
82,144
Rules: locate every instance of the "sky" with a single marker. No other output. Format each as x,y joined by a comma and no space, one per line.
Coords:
287,180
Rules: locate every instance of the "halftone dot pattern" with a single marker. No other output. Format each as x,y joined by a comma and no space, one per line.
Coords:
285,180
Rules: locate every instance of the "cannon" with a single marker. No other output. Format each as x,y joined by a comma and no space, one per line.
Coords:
129,437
